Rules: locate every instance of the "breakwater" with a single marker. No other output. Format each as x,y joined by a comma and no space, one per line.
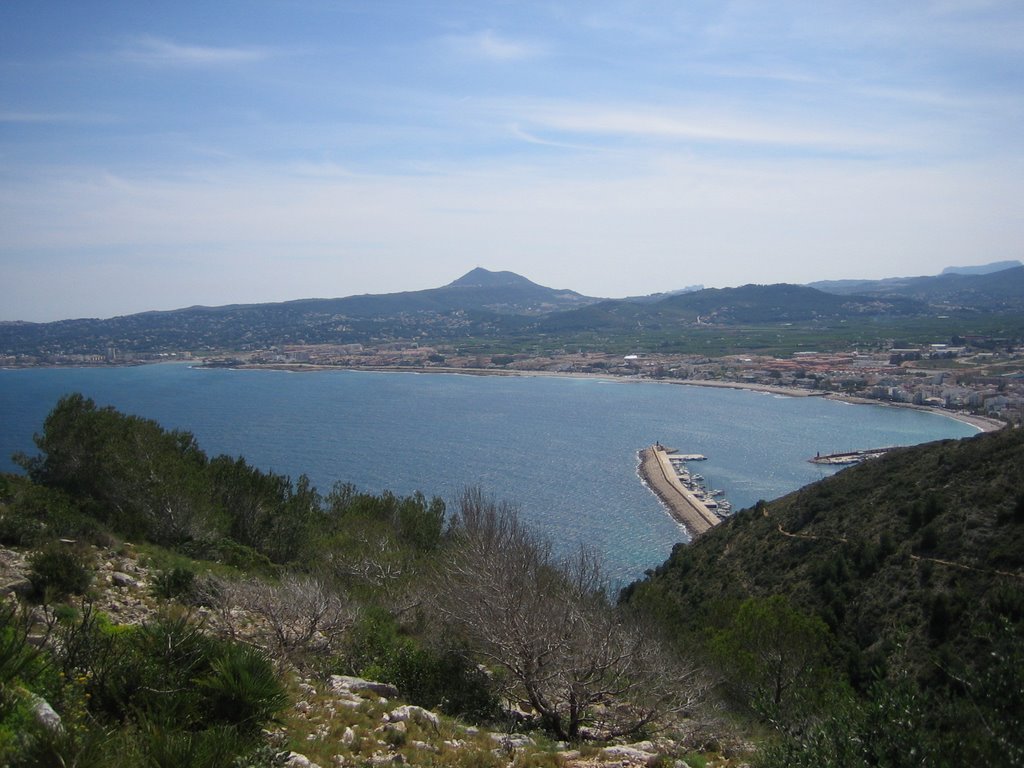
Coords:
658,474
850,457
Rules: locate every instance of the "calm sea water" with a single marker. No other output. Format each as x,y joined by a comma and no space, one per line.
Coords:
562,449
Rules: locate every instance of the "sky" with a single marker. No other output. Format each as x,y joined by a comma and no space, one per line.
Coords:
163,155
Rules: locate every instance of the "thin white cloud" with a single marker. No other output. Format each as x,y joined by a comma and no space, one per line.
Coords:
154,51
531,138
492,47
645,122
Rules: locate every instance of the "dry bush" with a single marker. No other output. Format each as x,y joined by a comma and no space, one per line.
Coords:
299,617
577,660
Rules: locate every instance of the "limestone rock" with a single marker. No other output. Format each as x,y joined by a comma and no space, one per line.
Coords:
345,684
416,714
297,760
45,715
396,728
630,754
513,740
122,579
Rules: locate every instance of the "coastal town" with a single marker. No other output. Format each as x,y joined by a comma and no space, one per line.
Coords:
979,377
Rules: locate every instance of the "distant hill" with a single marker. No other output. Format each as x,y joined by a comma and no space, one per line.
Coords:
489,305
485,278
982,269
1001,290
477,290
779,303
475,304
665,294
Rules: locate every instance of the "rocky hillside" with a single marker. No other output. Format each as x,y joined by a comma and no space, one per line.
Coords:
328,720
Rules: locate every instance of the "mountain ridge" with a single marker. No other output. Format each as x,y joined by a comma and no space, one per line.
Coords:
999,290
503,305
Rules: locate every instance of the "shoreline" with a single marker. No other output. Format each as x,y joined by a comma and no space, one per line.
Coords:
981,423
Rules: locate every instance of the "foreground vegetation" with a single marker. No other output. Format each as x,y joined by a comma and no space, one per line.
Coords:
875,618
468,614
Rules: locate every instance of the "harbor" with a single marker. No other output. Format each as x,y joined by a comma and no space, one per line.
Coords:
850,457
683,492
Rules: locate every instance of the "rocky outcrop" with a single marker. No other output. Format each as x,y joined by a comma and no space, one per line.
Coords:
343,684
416,714
297,760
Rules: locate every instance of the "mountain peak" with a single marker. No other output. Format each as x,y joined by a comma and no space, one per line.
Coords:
485,278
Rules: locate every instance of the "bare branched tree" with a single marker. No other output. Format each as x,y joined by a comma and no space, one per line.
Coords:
301,615
371,561
576,660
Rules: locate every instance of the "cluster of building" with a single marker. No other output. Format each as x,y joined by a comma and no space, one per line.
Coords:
112,356
982,381
985,383
986,379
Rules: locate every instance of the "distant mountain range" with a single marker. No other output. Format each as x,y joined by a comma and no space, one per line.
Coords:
980,288
476,303
780,303
982,269
486,304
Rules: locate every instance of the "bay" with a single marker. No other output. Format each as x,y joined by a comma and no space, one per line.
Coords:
562,449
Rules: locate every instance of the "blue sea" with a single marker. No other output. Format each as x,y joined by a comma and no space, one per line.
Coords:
564,450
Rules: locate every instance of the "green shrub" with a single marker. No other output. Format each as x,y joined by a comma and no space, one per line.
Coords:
443,679
32,514
58,570
239,556
242,689
173,748
18,659
178,582
169,694
18,529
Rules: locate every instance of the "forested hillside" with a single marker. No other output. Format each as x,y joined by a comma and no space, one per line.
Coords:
898,582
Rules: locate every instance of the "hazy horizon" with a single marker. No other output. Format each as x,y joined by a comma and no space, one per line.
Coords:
160,157
428,287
